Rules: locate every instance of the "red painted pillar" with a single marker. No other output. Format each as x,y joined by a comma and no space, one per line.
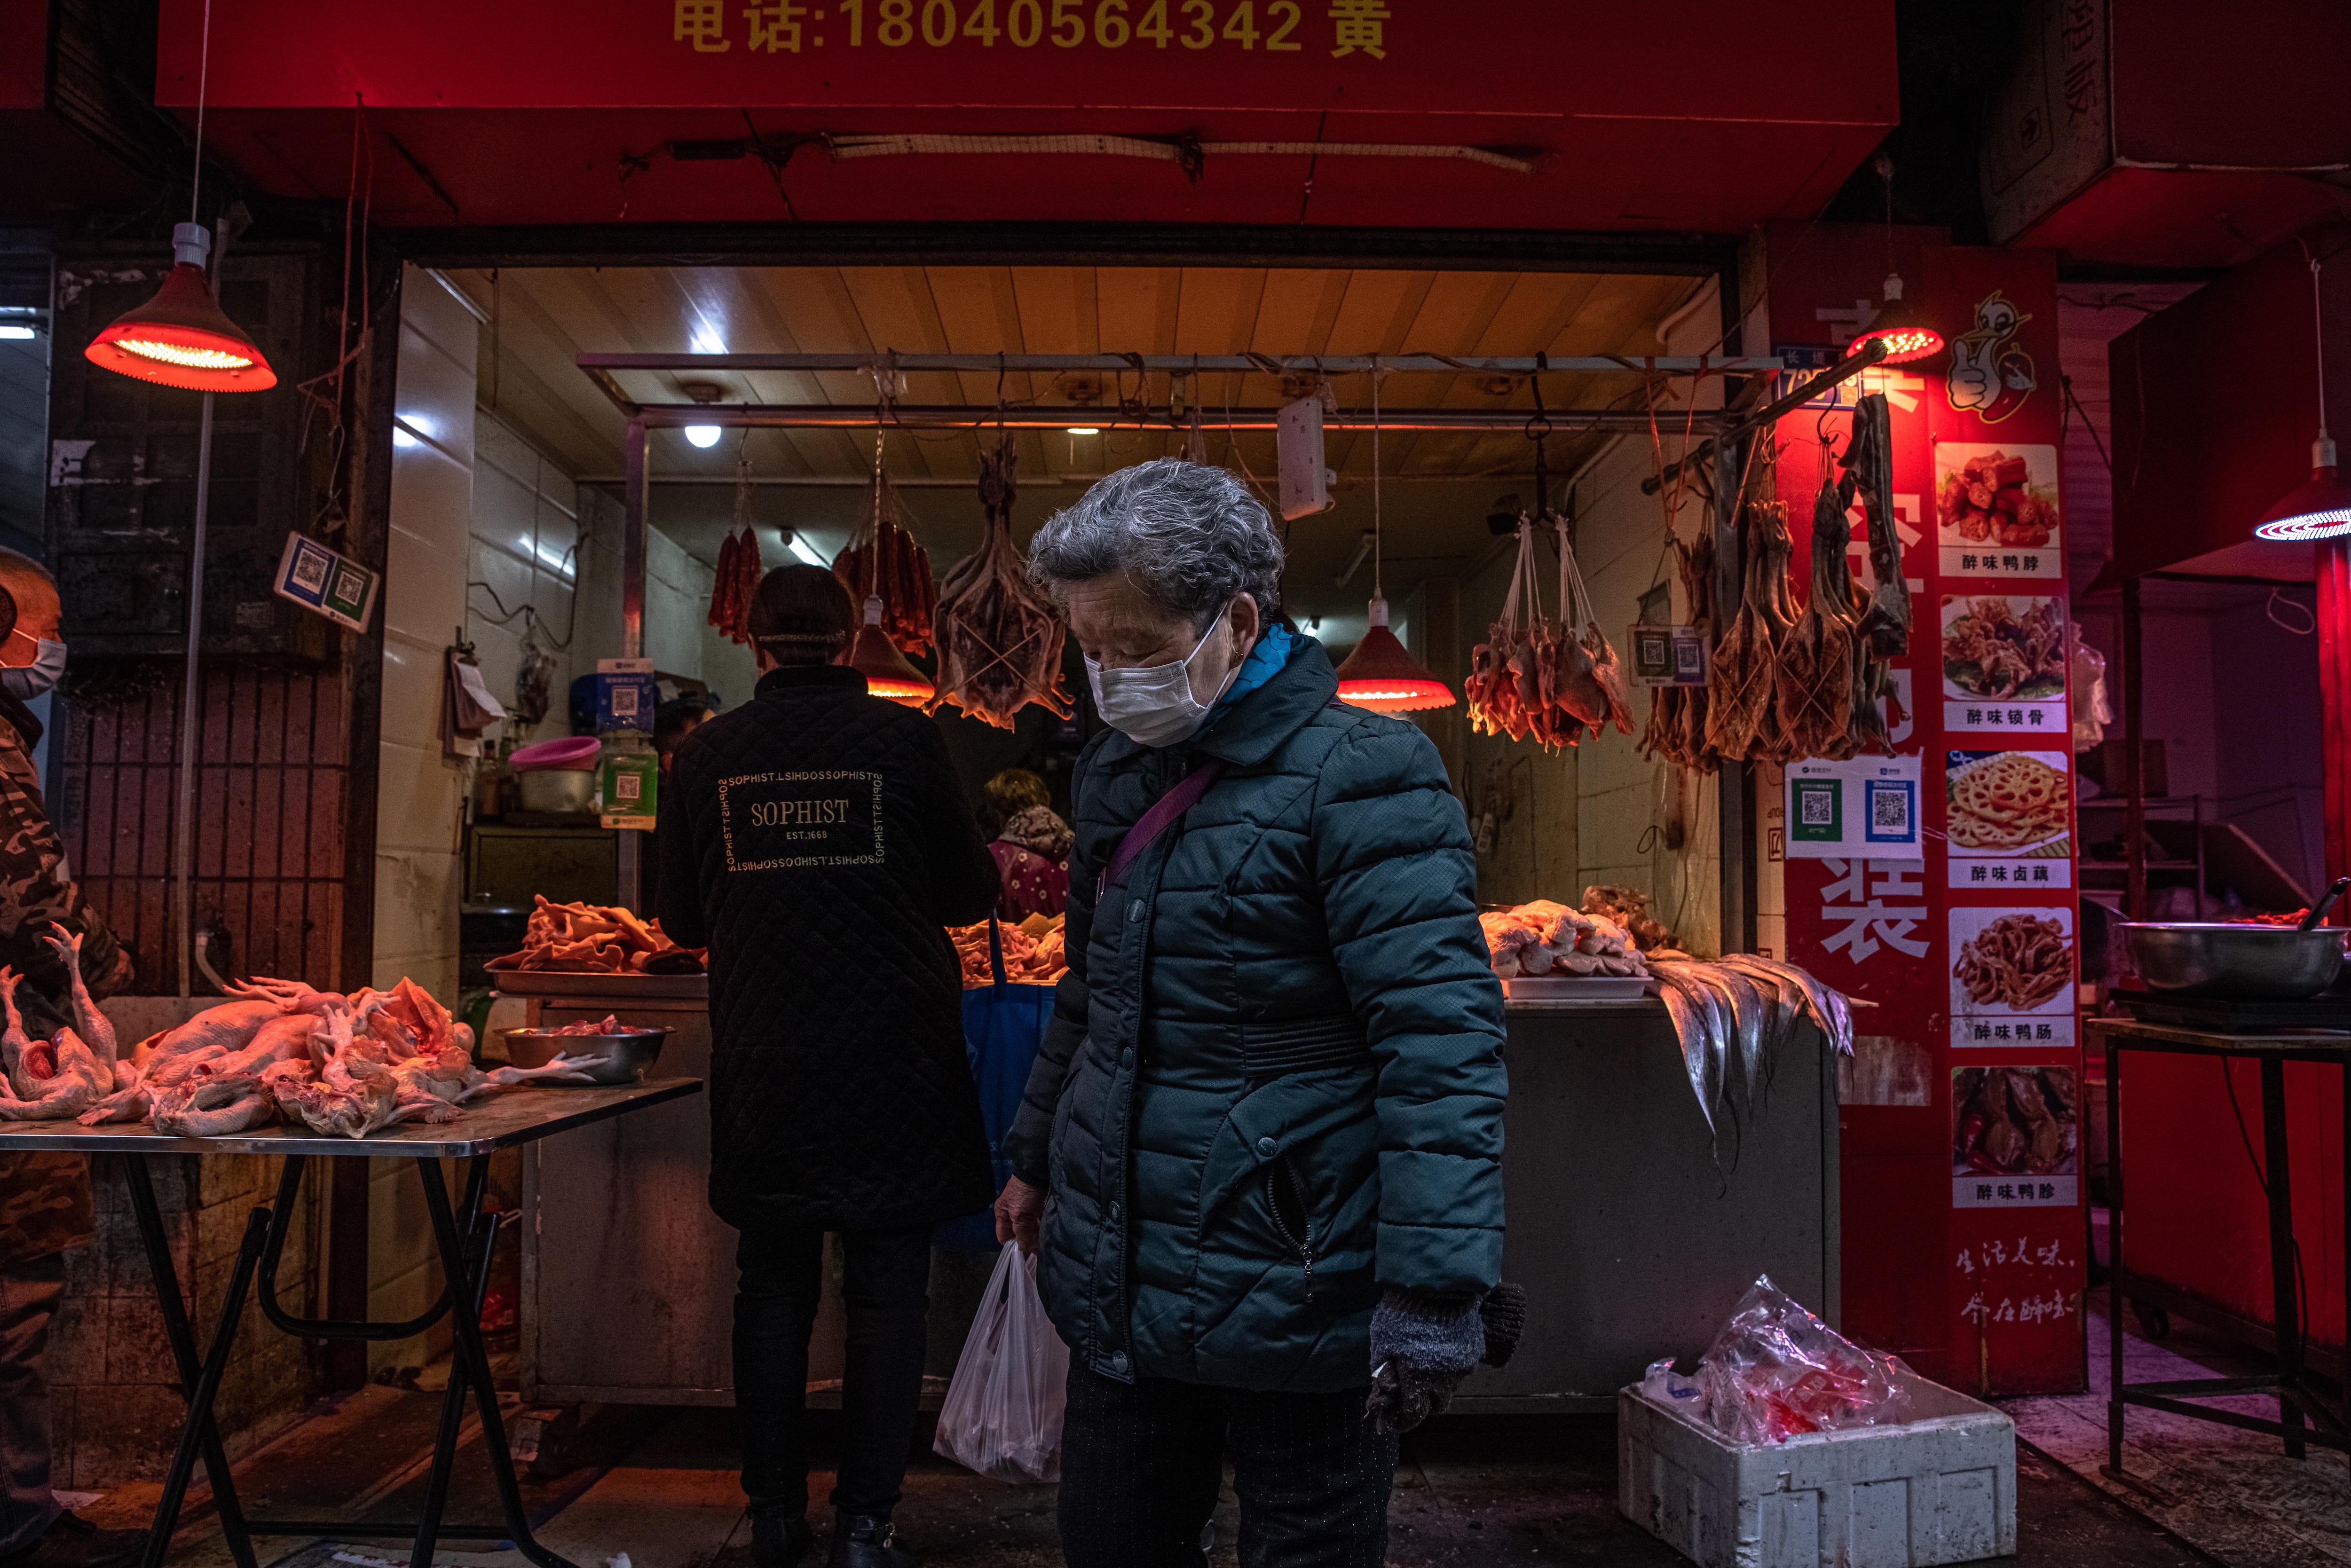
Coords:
2335,696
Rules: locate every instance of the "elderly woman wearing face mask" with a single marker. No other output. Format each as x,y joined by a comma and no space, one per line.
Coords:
1261,1151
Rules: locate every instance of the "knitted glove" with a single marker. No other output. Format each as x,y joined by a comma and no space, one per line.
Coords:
1422,1347
1504,1310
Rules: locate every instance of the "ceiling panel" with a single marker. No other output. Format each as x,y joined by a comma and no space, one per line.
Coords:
544,317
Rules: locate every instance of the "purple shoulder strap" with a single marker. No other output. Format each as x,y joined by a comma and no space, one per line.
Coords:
1155,821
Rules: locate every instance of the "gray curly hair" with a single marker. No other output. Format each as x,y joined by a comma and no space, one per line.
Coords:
1189,537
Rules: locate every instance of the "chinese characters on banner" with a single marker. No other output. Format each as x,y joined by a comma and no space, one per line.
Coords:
1336,27
1974,1183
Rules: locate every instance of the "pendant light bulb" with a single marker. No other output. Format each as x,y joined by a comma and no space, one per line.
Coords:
2320,507
2317,509
182,338
887,673
1383,675
1907,335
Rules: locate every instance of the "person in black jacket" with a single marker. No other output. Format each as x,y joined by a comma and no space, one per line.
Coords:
818,842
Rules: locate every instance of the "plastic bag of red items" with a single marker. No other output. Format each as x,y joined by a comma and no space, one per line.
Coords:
1775,1370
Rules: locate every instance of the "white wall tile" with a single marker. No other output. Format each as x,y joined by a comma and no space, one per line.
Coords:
418,803
411,691
428,309
434,396
504,512
508,580
423,586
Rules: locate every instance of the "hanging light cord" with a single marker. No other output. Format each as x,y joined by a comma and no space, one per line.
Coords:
2318,320
204,71
1375,479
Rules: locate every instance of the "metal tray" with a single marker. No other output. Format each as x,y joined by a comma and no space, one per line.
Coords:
545,983
1576,989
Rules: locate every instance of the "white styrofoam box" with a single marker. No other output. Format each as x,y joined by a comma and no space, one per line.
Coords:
1941,1489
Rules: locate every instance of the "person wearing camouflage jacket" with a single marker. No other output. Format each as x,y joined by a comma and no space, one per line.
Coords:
45,1199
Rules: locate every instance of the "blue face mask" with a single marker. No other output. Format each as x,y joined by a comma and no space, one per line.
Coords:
41,676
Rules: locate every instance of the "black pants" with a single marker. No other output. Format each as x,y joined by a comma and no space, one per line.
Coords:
1141,1464
882,1289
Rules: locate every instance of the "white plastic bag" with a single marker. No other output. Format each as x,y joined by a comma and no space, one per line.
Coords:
1003,1411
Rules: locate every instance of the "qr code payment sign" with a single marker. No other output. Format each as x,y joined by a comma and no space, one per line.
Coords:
1819,808
310,568
1893,811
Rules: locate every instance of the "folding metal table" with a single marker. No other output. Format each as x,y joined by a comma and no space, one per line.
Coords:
2305,1416
464,1237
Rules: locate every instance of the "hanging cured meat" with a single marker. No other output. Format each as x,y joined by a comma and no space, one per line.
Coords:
1744,717
1504,688
1817,664
884,560
1533,681
739,568
1592,681
737,581
1868,464
999,636
1676,729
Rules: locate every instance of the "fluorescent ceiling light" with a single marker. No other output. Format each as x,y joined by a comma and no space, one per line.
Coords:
1084,430
707,339
799,547
16,332
702,434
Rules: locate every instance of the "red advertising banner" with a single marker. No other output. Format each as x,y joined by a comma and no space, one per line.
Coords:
1492,58
1962,1212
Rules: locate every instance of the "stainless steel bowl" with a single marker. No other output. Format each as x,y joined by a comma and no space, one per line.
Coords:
2255,963
628,1058
557,789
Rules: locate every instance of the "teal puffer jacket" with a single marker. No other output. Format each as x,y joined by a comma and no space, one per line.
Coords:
1273,1083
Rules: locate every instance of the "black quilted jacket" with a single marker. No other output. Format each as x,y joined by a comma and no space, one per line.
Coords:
1274,1081
818,842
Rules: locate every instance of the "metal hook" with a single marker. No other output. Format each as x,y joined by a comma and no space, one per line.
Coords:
1539,425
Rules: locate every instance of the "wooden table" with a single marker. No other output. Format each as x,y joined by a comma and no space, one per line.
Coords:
465,1236
2297,1398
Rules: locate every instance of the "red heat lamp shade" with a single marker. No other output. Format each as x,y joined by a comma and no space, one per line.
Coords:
1380,674
886,672
2317,509
182,338
1908,336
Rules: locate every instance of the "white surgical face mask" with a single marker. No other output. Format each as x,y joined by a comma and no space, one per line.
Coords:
49,664
1154,706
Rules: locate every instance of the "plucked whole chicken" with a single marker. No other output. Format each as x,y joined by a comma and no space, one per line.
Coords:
342,1065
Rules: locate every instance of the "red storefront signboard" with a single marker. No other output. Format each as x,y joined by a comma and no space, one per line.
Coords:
1963,1213
1704,117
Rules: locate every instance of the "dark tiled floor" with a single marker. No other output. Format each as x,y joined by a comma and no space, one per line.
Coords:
1469,1492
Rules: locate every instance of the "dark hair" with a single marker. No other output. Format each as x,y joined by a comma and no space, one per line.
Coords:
1014,789
801,615
676,717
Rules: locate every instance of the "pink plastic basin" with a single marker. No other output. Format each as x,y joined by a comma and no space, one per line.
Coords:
576,754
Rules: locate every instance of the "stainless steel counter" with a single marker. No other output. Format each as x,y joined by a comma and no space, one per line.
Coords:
1631,1236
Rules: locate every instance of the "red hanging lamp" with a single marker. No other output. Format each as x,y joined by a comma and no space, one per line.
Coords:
1906,333
1381,674
182,338
1905,330
2320,507
887,673
872,654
